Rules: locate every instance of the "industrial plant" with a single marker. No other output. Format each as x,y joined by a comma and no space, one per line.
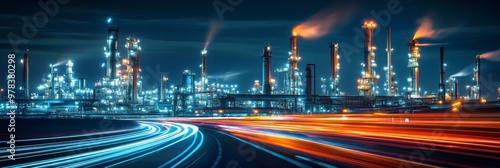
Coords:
290,89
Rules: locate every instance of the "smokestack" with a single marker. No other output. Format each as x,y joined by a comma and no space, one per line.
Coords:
163,88
294,59
368,48
26,75
390,79
52,82
478,76
368,82
203,70
266,70
442,89
413,80
112,52
69,75
456,89
335,66
309,82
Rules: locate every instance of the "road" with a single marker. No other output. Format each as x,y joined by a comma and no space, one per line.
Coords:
149,144
341,140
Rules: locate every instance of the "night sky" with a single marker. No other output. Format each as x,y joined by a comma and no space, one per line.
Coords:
173,33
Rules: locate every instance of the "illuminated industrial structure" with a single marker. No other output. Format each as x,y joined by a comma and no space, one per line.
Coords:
204,79
25,86
442,88
293,62
367,85
413,89
453,89
266,70
132,64
334,69
163,89
111,52
121,91
476,88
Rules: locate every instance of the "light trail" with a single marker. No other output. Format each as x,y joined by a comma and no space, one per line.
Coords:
115,149
375,140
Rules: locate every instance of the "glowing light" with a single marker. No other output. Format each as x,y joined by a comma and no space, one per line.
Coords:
492,56
426,30
321,23
109,20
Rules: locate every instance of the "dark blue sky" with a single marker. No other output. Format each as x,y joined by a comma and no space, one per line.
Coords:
173,32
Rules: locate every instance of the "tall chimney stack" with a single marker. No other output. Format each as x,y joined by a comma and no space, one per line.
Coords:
26,86
442,88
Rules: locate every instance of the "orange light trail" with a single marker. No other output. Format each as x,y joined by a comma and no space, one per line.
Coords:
426,30
325,136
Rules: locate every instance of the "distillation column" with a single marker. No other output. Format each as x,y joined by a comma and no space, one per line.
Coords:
203,81
134,50
334,71
367,84
52,88
266,70
293,62
413,80
266,74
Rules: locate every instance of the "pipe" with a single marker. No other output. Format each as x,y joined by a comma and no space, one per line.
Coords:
26,75
456,90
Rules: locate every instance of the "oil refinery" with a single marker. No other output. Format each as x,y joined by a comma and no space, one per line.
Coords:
283,90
